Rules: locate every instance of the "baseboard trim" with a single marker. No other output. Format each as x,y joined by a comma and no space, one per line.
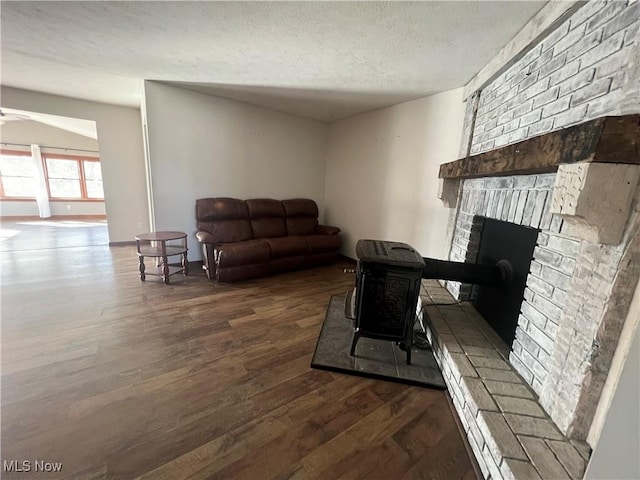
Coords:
123,244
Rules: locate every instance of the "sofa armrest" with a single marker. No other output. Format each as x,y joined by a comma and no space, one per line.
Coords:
208,243
327,230
205,237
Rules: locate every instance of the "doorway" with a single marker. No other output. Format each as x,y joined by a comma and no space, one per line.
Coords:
51,193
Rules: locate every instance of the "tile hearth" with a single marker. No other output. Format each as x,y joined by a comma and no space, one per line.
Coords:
509,432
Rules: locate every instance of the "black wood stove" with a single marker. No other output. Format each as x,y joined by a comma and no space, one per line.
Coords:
387,289
388,279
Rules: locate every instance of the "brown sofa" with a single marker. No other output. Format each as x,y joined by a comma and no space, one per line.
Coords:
243,239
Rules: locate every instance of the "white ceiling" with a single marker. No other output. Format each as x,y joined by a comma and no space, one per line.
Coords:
323,60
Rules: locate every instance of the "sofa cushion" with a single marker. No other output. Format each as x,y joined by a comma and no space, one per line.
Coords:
301,215
242,253
301,226
264,208
268,227
228,231
216,209
267,218
227,219
287,246
323,243
300,207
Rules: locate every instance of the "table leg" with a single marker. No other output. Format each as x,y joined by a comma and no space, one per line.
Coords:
141,267
185,264
165,270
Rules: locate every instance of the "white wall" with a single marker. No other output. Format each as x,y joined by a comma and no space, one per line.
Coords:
28,132
14,208
616,427
121,154
382,172
205,146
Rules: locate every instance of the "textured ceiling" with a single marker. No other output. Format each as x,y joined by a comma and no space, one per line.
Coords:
324,60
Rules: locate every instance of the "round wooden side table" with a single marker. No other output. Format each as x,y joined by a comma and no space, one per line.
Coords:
155,245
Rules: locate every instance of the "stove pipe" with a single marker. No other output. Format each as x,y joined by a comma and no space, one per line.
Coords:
493,275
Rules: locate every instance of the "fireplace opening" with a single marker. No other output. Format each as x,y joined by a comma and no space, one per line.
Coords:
500,304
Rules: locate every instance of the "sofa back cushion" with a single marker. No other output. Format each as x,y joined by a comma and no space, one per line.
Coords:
301,216
267,217
227,219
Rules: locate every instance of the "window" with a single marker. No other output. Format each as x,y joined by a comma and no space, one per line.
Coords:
63,177
68,177
17,175
93,178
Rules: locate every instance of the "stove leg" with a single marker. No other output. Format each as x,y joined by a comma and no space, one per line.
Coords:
356,337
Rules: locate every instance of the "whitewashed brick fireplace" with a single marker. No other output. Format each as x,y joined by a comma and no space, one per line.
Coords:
572,313
577,288
527,410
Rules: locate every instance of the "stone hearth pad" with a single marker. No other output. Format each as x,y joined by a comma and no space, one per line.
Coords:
374,358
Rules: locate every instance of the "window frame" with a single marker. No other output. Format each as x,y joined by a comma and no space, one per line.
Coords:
14,153
55,156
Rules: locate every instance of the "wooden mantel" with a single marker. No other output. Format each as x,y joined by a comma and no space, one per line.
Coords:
604,140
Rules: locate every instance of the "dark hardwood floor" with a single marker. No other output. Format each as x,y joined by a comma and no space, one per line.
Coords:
120,379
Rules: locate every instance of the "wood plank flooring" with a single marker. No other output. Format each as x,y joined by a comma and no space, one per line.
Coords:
120,379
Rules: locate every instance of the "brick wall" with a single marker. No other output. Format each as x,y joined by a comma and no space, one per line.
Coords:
545,296
521,199
580,71
576,298
596,304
